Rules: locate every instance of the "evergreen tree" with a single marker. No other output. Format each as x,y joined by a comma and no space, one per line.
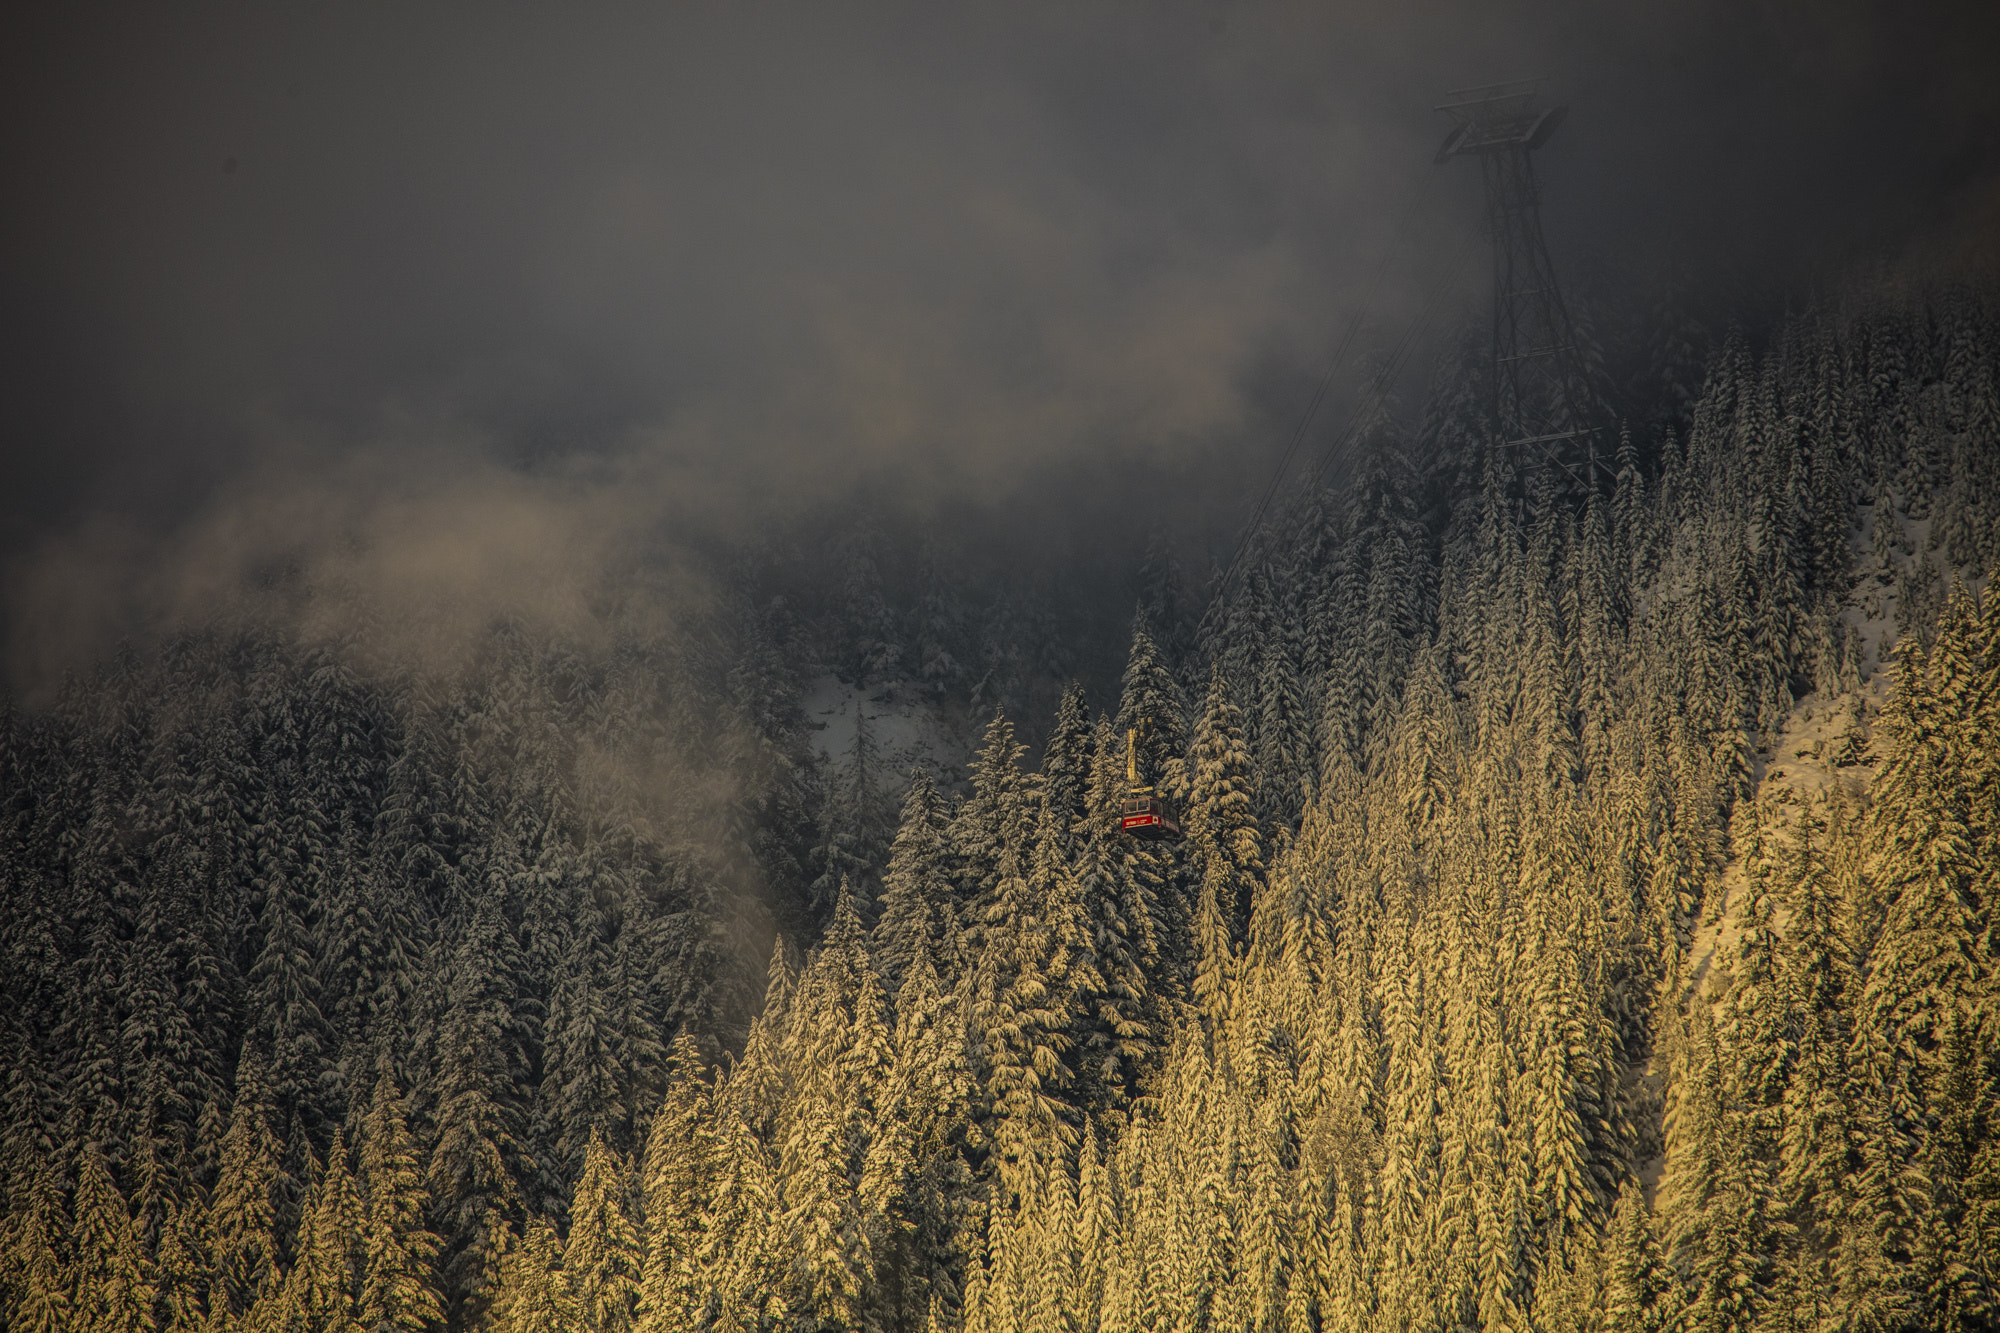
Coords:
1635,1276
38,1290
473,1191
991,824
1555,904
679,1187
1150,705
601,1258
1225,848
533,1293
854,822
1018,1019
327,1253
284,985
242,1211
839,1052
917,1165
1066,764
398,1285
919,914
110,1293
1117,1030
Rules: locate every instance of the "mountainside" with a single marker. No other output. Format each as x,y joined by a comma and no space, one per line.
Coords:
1584,922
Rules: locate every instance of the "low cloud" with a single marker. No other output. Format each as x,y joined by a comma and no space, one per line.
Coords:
404,556
545,290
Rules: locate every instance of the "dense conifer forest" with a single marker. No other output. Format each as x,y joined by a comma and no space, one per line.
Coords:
1585,921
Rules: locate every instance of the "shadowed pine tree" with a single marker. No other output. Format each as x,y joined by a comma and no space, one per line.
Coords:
284,981
473,1191
580,1075
855,821
1165,607
1285,772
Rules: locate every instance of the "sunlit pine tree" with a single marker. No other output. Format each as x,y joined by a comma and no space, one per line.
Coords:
1150,704
1066,767
601,1258
677,1179
1117,1034
919,913
840,1055
1225,850
327,1252
1016,993
110,1292
917,1174
398,1255
37,1238
242,1243
532,1292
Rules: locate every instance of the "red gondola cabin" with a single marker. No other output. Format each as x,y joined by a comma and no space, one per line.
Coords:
1147,816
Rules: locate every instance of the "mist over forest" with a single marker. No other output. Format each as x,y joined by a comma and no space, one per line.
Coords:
606,614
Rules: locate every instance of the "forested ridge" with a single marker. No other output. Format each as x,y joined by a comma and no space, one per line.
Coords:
1502,981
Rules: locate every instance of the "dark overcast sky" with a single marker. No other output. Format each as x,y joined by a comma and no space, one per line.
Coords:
731,258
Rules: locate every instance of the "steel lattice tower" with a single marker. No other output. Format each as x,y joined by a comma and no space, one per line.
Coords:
1541,394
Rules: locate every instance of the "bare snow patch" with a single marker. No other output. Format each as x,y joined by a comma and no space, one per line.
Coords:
906,730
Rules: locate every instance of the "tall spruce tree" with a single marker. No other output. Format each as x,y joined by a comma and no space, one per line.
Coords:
1225,846
1151,707
839,1054
601,1258
678,1179
1017,1016
1066,765
242,1210
919,911
398,1281
110,1292
37,1278
474,1194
